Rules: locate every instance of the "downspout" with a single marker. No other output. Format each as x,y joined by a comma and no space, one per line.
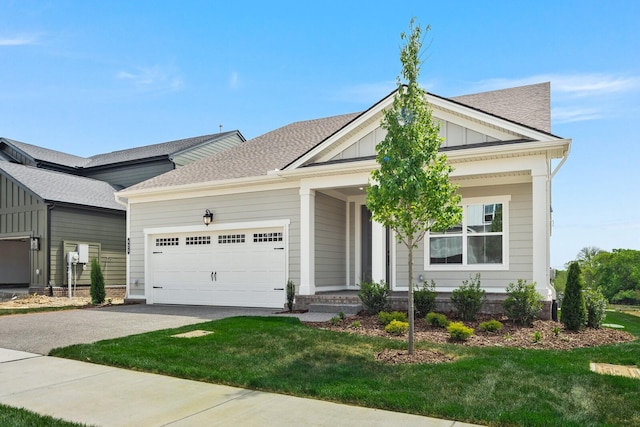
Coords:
47,275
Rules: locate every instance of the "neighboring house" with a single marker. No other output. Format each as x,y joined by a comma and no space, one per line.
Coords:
51,202
290,204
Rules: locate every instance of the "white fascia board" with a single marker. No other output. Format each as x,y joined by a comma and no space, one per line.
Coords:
363,118
554,149
536,164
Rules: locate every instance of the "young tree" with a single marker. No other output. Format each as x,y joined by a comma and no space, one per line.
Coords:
574,312
97,290
411,192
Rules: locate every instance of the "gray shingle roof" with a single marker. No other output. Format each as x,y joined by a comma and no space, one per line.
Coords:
130,154
273,150
527,105
62,187
155,150
47,155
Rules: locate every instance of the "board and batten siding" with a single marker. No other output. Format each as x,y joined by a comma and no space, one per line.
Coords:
232,208
128,175
103,232
24,214
520,246
330,242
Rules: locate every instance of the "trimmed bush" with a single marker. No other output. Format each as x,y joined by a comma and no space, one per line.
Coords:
490,326
523,303
469,298
438,320
374,296
459,332
574,311
291,294
596,305
385,317
97,290
424,299
396,327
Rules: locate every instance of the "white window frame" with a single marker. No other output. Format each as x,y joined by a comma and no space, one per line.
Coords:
504,200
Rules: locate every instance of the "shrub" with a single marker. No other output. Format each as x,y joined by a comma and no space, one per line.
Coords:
459,332
335,320
537,336
523,303
424,299
596,305
396,327
356,324
437,320
385,317
291,294
469,298
97,291
629,296
374,296
490,326
574,312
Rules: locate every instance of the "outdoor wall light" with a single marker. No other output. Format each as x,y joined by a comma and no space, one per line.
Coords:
207,218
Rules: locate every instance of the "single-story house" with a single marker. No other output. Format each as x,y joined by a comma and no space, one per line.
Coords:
290,205
53,203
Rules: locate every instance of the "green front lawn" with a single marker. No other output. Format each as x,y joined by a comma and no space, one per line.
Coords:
18,417
495,386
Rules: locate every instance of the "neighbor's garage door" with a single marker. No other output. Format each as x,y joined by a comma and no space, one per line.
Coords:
230,268
14,262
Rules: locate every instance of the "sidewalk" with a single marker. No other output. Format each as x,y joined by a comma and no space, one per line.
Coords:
105,396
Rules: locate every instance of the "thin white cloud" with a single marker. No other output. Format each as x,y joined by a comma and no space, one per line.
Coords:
17,41
576,97
234,80
154,78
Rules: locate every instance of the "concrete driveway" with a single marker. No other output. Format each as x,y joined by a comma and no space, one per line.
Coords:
41,332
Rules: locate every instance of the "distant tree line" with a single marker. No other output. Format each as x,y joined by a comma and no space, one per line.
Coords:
616,274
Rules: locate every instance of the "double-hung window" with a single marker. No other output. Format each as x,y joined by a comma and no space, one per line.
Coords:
480,242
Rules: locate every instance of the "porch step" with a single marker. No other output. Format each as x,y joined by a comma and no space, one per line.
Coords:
321,307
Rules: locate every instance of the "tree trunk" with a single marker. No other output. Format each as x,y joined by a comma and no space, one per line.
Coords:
410,300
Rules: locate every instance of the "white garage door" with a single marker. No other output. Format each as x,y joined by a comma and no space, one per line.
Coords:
243,268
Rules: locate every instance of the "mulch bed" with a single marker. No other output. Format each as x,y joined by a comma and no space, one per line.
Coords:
543,335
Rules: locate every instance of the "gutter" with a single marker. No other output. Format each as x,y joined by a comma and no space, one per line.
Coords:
564,159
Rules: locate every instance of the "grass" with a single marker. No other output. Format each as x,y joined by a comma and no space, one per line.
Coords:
493,386
17,417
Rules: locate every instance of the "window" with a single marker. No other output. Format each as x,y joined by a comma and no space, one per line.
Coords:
198,240
224,239
479,241
167,241
267,237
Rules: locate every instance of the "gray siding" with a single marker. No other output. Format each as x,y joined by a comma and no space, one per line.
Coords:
128,175
330,241
206,150
257,206
520,245
103,232
23,214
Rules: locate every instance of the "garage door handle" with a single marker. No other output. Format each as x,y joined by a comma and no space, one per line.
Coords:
278,289
157,287
278,249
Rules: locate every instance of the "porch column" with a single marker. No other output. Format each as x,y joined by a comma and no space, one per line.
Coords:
541,217
307,241
378,252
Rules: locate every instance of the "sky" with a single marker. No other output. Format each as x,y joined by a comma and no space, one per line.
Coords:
89,77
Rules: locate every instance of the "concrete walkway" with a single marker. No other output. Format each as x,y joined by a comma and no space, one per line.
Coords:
105,396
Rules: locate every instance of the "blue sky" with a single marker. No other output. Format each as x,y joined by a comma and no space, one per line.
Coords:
88,77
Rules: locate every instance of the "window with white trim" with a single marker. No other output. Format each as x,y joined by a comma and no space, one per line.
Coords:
479,241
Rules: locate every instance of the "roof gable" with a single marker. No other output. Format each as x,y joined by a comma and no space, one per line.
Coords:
61,187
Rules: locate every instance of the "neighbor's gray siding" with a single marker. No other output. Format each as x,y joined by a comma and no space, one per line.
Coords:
233,208
128,175
520,246
330,241
103,232
206,150
24,214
